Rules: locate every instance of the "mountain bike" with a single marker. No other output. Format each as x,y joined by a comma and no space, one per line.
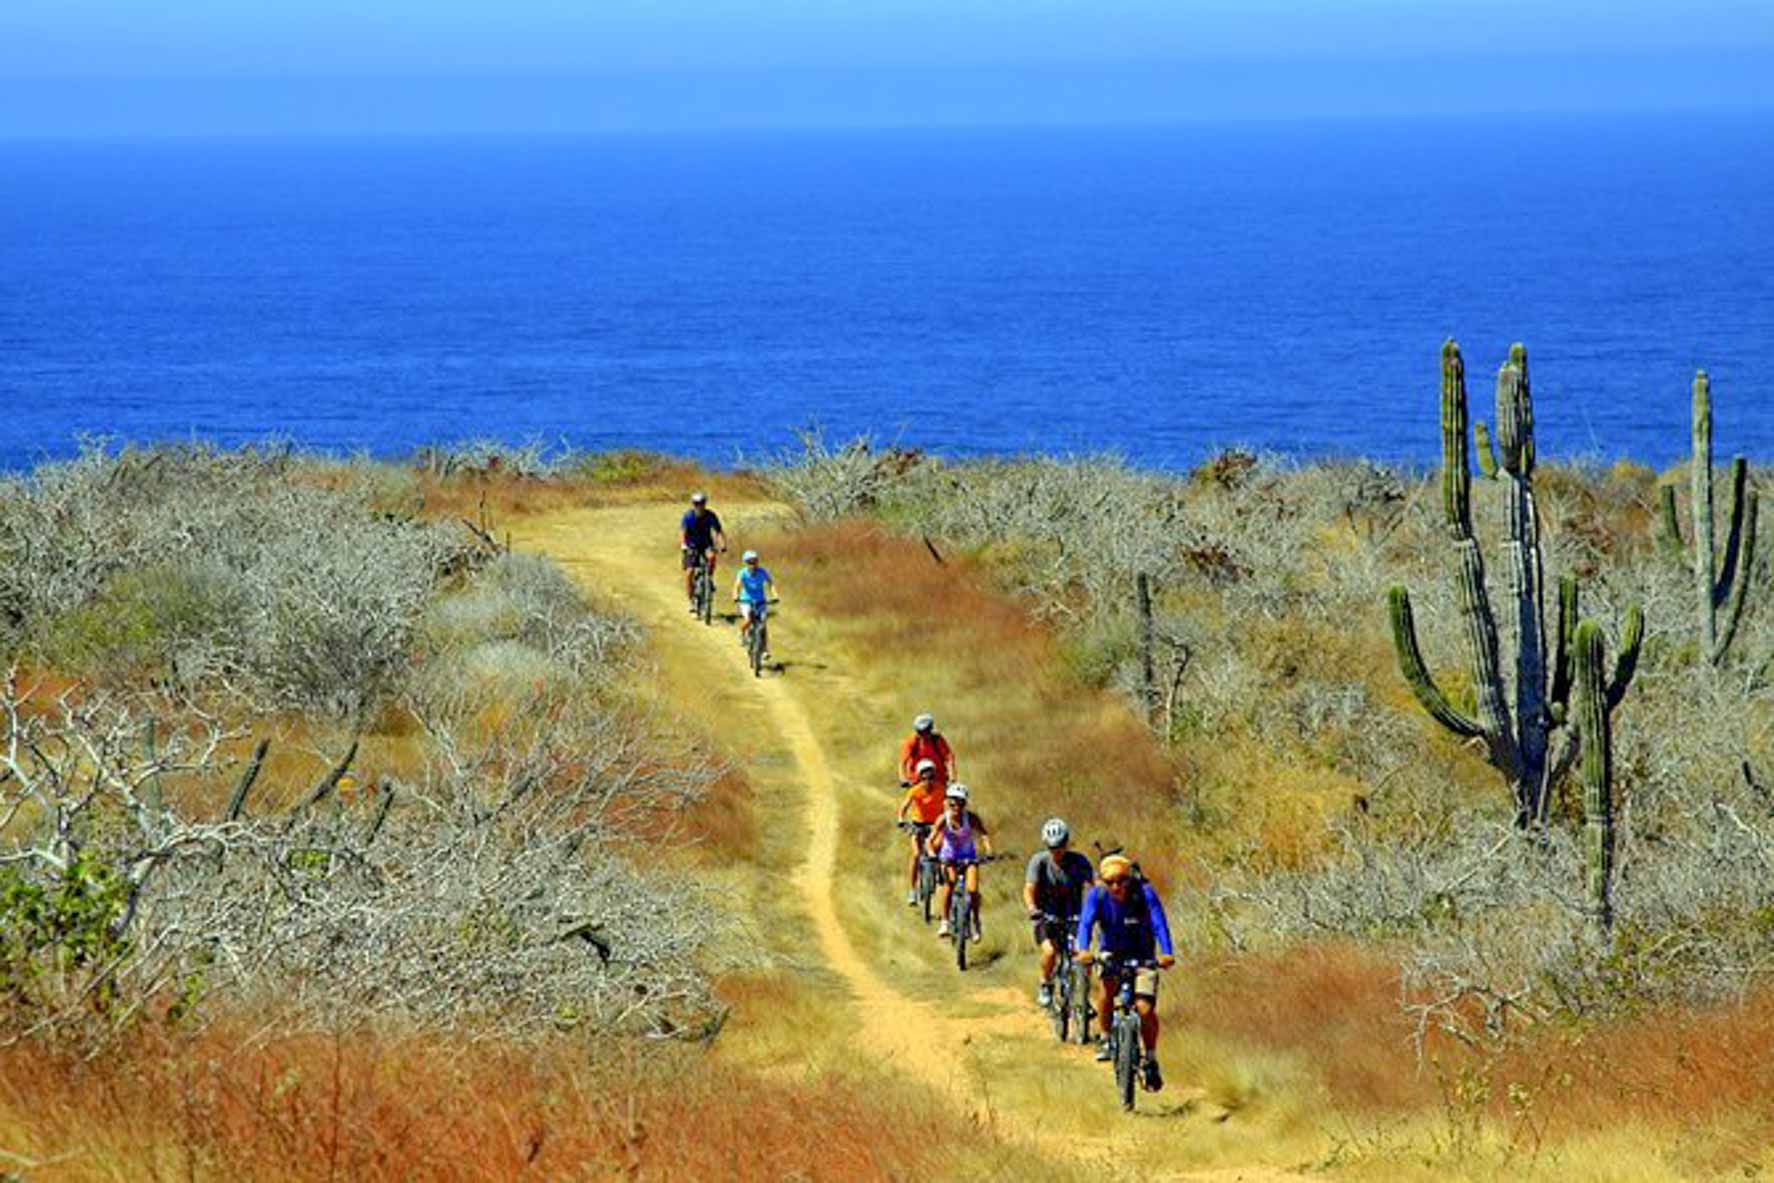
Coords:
1069,1009
961,906
1121,1027
757,638
927,865
702,593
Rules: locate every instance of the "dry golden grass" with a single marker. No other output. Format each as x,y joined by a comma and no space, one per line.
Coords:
1027,737
630,477
382,1108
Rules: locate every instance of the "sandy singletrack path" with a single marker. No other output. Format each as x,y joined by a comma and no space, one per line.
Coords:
623,555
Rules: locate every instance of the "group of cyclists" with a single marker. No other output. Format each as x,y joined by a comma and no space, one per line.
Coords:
1111,907
703,538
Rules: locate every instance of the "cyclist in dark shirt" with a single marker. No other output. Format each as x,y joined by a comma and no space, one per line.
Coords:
701,535
1053,892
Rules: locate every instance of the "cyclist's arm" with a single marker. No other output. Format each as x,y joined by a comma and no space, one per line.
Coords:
1160,926
948,756
934,842
1029,881
1086,922
905,803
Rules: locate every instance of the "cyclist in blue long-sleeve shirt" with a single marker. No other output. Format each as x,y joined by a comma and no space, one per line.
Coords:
1134,929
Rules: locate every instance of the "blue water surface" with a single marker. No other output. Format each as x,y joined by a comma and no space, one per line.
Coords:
1161,291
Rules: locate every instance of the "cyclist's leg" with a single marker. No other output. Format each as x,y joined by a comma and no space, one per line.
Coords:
689,575
948,890
973,889
911,865
1101,998
1147,1005
1049,953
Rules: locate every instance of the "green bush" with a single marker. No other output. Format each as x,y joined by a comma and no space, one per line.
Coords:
148,622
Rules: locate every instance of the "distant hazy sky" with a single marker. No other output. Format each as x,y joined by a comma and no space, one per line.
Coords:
172,66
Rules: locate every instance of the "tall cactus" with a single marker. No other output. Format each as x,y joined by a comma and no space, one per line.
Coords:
1594,706
1717,586
1517,736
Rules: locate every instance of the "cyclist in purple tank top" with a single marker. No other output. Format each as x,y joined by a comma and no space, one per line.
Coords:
958,839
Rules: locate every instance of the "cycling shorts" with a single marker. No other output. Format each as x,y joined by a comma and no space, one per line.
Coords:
690,557
754,609
1052,930
1145,983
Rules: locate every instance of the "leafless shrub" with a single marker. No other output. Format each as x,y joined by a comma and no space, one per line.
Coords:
227,567
826,482
534,459
494,896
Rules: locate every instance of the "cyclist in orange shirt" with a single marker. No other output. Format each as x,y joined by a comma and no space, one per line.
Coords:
926,743
923,802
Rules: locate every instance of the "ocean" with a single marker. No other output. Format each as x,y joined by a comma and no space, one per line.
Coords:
1161,292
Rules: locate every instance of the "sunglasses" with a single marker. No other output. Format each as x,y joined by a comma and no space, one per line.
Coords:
1117,881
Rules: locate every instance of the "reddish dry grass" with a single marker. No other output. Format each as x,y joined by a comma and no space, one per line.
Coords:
1678,1066
723,826
1011,706
1337,1005
318,1107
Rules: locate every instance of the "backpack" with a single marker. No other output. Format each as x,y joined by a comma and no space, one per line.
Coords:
928,747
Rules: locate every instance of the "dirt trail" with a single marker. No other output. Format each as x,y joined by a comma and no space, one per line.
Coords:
617,553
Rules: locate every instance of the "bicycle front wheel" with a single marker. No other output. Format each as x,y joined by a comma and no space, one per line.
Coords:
1127,1057
926,886
961,912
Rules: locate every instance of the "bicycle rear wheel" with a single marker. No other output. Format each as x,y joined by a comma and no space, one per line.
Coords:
1080,978
1127,1057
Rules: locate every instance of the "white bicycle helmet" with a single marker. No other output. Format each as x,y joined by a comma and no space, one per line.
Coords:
925,763
750,556
924,722
1055,832
957,792
699,498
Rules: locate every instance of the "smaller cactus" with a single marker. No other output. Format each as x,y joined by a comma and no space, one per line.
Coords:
1487,455
1721,583
1593,710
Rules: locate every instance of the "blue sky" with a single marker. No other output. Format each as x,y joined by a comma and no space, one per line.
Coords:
195,66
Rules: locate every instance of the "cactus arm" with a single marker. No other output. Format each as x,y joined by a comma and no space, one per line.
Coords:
1740,588
1515,420
1700,478
1416,672
1721,588
1487,455
1561,660
1456,468
1669,527
1518,361
237,802
1597,776
1487,679
1521,551
1626,661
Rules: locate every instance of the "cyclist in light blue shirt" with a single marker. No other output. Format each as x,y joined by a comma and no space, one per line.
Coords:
752,591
